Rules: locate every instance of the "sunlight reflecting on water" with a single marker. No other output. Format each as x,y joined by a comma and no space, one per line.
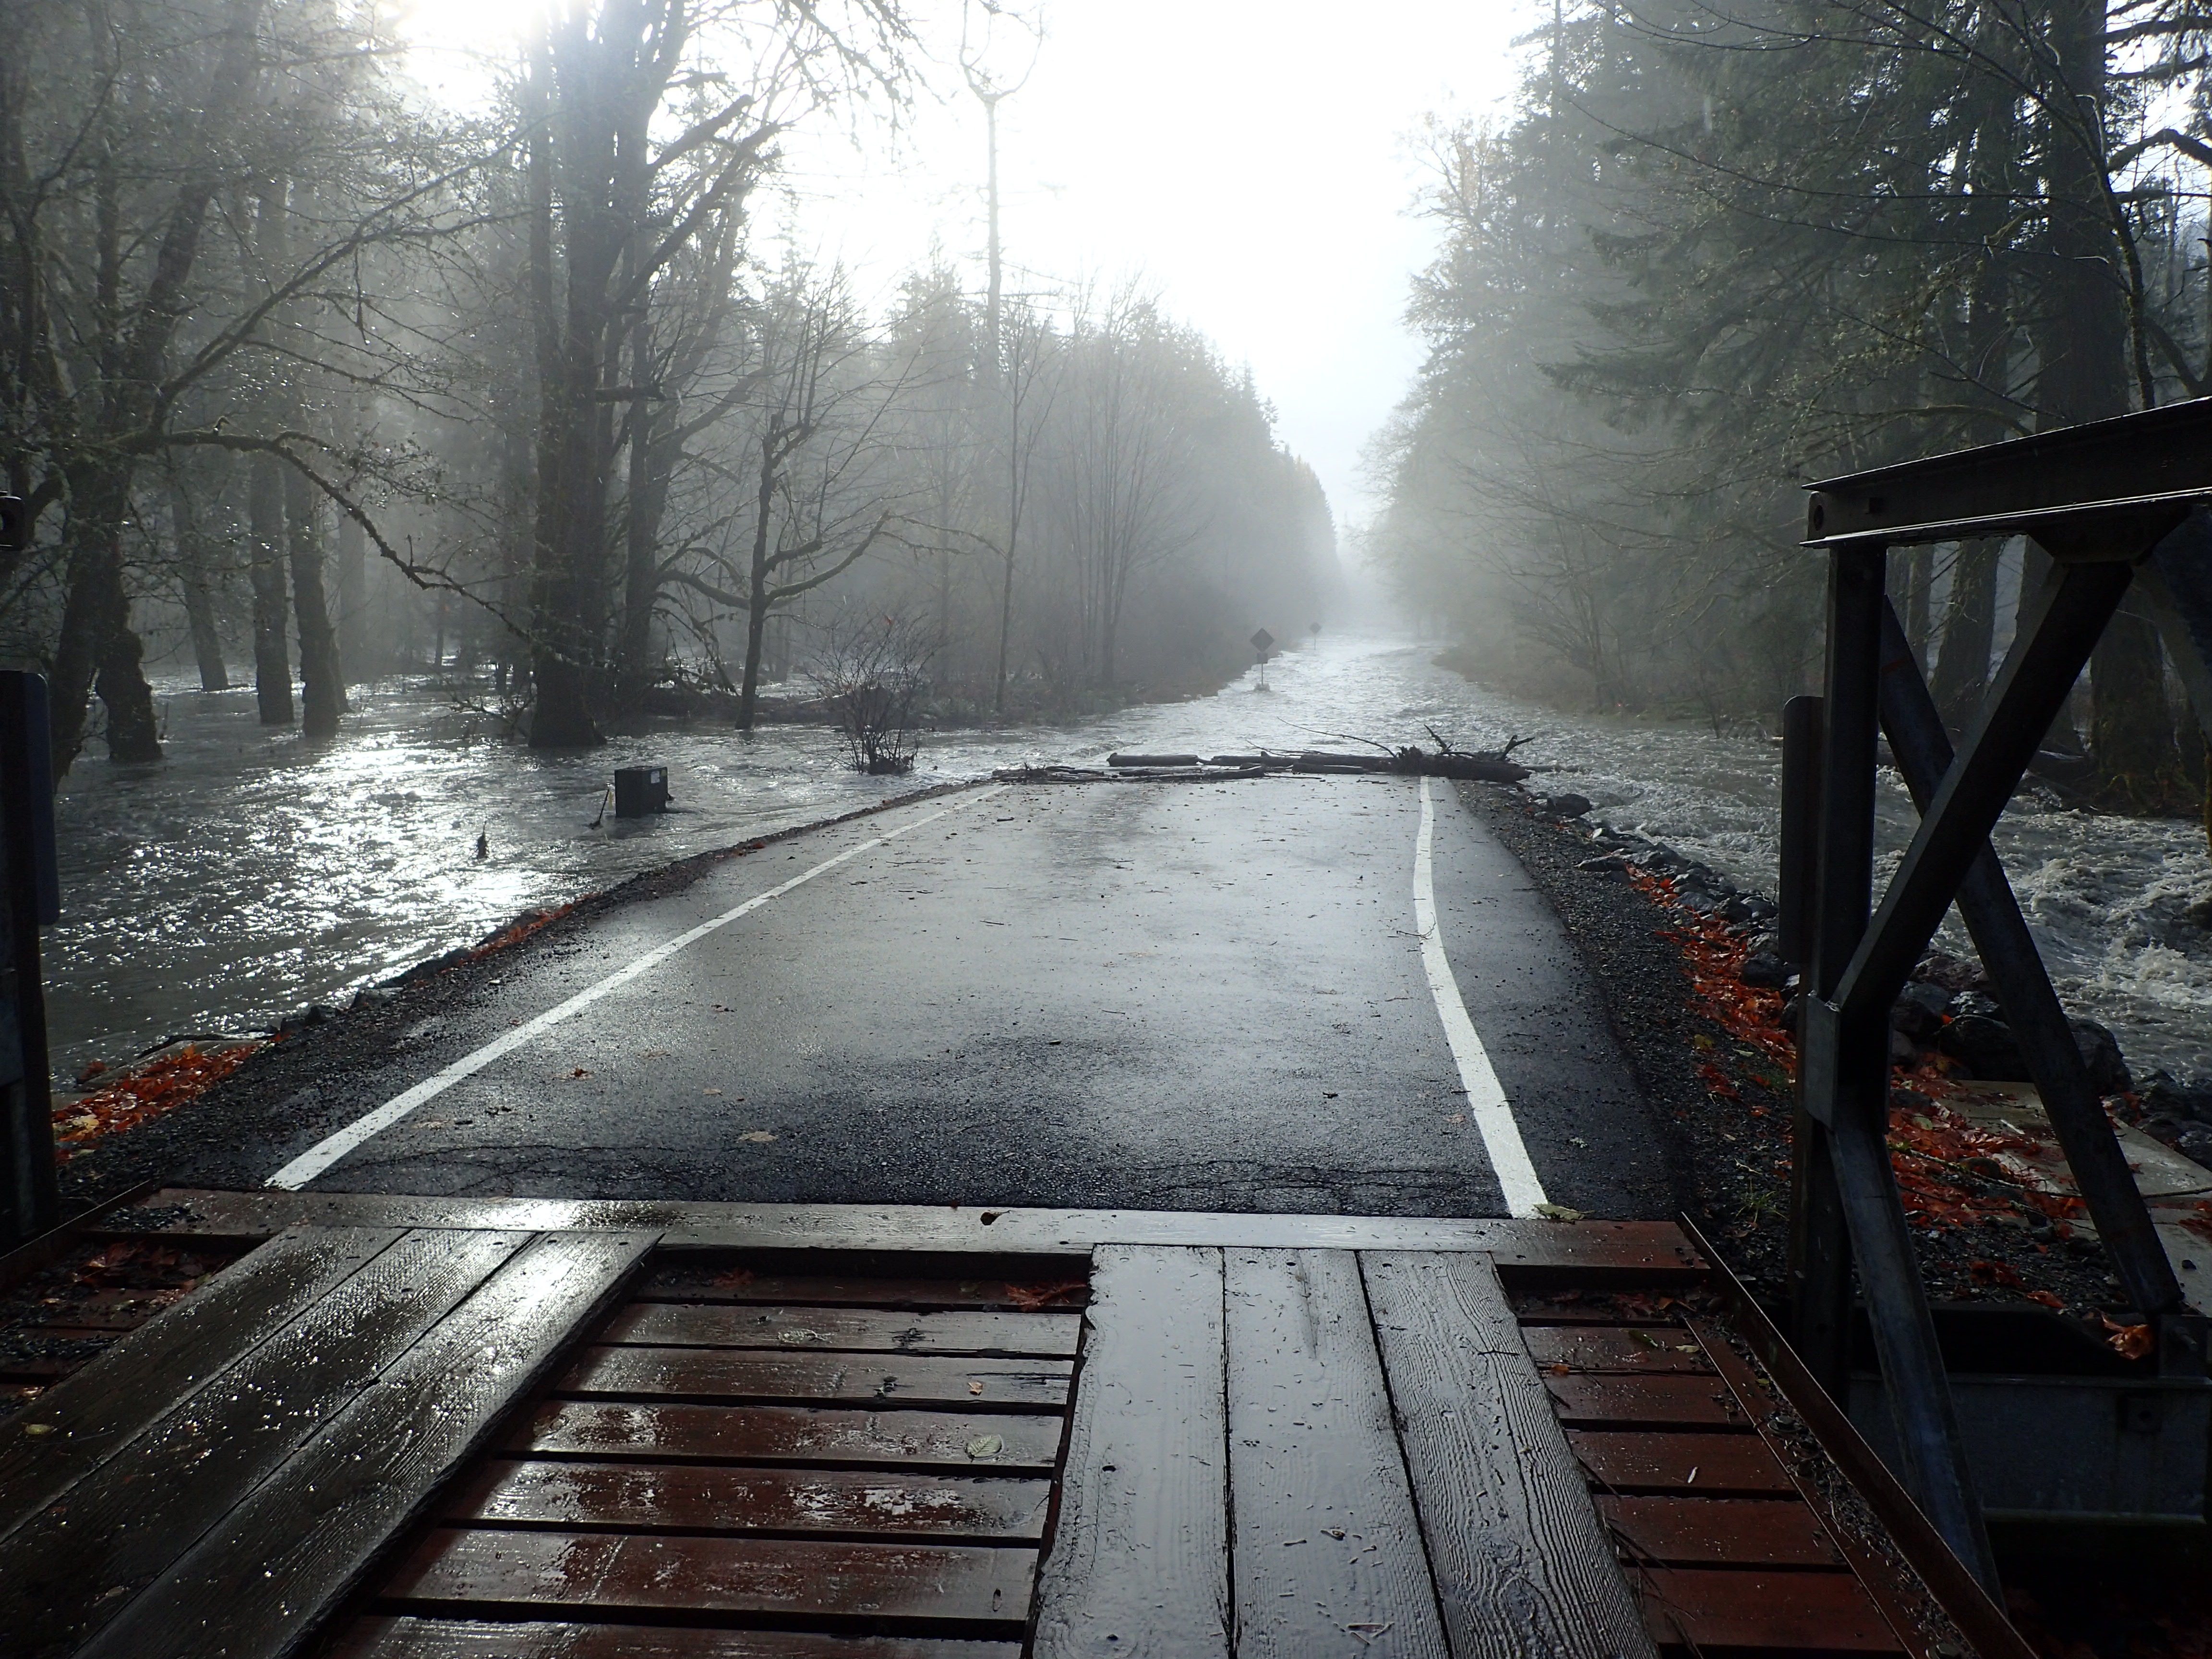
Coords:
250,873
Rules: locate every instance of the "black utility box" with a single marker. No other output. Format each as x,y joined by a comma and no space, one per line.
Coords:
641,791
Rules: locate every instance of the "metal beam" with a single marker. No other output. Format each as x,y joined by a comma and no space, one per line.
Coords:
2038,674
1923,753
1844,1092
2156,456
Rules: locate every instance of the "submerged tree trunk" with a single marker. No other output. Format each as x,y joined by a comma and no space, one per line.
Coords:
272,663
96,651
351,622
322,689
1005,628
1962,661
207,643
1919,573
2085,377
2130,723
651,461
199,601
756,594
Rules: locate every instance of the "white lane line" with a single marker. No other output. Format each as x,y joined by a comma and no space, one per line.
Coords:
318,1158
1486,1096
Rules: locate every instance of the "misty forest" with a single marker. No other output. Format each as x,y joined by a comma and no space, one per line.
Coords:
309,381
880,825
391,451
1719,251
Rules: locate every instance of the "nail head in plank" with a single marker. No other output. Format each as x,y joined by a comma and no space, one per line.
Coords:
1628,1349
1715,1611
1522,1563
1139,1561
473,1638
788,1434
1326,1540
257,1583
74,1565
692,1497
715,1375
1716,1465
1713,1532
1677,1402
782,1578
81,1420
850,1330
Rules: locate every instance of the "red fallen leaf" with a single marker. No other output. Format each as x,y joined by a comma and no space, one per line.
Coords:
2128,1341
735,1279
1996,1273
1034,1297
2200,1221
2047,1299
146,1093
1717,1081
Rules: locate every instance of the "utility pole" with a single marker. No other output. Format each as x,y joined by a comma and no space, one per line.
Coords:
989,91
997,282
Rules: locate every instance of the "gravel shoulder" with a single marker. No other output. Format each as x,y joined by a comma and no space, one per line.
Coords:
1723,1107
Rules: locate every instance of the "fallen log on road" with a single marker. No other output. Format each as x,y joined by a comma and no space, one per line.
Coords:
1196,773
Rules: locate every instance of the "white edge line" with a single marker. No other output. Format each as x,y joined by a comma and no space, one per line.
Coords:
326,1152
1485,1095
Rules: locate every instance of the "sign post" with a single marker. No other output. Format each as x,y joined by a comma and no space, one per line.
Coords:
1262,643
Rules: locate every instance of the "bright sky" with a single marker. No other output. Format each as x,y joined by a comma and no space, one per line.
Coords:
1249,158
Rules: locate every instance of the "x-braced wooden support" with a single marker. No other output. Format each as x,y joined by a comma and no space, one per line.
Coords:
2106,501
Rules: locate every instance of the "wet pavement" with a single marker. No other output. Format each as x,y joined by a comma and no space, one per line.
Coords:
1159,996
252,873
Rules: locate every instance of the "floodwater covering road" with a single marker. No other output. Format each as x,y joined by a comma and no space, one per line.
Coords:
1116,995
250,873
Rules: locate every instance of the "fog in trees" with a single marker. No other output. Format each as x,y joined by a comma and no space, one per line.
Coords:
1713,252
310,378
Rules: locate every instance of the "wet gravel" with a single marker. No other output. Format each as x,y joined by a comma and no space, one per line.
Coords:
1732,1157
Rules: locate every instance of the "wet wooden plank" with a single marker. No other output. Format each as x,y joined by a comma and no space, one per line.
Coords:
1704,1465
1597,1401
1625,1348
853,1330
1636,1250
722,1499
263,1576
1140,1563
1744,1532
766,1377
553,1572
74,1565
78,1423
681,1281
1715,1611
408,1637
789,1434
1326,1540
1522,1563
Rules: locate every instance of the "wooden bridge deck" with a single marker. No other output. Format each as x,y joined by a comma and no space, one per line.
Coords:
486,1430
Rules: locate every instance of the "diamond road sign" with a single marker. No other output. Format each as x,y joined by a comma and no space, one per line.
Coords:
1263,641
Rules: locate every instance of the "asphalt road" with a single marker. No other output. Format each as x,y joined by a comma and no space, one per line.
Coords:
1147,995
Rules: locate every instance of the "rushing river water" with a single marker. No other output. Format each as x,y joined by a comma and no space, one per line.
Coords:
252,873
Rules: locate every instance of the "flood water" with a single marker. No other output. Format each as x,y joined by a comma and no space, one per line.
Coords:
250,873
